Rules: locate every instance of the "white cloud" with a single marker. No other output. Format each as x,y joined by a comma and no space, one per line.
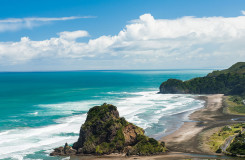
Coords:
243,12
144,43
73,35
42,19
12,24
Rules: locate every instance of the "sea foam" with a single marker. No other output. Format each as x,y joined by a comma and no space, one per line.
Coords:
156,113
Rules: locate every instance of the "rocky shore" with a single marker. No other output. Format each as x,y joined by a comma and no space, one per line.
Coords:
187,142
104,132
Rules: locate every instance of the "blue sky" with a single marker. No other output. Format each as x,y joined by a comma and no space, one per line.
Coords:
108,18
112,15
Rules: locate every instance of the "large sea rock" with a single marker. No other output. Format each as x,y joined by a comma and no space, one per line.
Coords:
104,132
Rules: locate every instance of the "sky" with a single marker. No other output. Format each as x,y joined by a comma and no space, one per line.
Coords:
44,35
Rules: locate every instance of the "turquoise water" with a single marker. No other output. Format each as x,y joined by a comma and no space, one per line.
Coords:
42,110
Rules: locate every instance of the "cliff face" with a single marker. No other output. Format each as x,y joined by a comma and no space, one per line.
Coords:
104,132
173,86
230,82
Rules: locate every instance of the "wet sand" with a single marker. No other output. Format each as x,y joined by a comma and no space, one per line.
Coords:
186,139
191,137
188,142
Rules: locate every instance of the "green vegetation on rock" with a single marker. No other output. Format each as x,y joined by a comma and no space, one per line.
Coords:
104,132
230,82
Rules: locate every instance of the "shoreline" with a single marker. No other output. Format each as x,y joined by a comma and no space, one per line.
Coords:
191,136
188,140
184,115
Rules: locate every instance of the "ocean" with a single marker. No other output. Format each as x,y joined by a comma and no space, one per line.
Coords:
43,110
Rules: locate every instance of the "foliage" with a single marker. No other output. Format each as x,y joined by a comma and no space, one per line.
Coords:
227,128
147,146
229,82
239,68
238,145
217,139
235,105
219,150
103,133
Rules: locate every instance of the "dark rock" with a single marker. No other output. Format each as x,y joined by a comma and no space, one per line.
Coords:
63,151
104,132
68,150
58,152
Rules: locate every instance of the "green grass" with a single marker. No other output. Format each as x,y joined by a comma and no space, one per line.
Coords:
218,138
235,105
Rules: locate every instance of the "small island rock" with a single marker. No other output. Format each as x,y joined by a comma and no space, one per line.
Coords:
104,132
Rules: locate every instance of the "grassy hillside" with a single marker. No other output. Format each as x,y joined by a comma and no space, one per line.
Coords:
217,139
235,105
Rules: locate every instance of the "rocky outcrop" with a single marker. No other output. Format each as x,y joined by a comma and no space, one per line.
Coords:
130,134
173,86
104,132
63,151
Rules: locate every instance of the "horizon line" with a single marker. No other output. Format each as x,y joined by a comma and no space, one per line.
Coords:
112,70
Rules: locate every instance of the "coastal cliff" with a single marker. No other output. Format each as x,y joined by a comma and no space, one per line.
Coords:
105,132
230,81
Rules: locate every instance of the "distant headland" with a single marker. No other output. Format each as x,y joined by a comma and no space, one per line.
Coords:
219,127
230,81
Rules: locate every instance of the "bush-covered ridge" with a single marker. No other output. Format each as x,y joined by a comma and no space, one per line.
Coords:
230,82
104,132
237,147
238,68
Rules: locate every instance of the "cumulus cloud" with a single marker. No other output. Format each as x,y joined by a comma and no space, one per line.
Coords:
73,35
243,12
12,24
144,43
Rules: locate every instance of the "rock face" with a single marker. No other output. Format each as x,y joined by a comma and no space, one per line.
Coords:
104,132
173,86
62,151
